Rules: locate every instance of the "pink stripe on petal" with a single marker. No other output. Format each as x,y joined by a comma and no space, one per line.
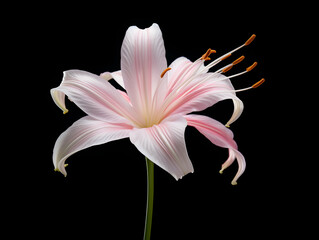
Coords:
183,70
164,144
142,62
221,136
117,76
202,92
85,133
94,95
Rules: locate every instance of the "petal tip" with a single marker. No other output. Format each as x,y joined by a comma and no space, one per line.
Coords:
62,170
106,76
234,183
58,170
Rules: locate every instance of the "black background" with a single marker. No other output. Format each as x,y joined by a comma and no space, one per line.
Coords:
104,194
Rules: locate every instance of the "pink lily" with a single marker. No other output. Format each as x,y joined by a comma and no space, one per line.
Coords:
153,111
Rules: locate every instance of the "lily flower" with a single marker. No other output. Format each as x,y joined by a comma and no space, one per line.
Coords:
155,107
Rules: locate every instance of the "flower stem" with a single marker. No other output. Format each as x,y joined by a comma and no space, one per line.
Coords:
150,199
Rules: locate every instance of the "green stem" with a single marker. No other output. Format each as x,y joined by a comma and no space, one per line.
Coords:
150,199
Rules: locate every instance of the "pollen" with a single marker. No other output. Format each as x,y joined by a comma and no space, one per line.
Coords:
257,84
165,71
251,67
206,55
250,40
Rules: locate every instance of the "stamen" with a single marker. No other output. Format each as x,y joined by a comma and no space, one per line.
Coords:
163,73
238,60
205,56
227,68
223,57
257,84
251,67
250,40
227,56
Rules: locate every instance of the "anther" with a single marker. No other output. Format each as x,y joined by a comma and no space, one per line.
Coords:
257,84
163,73
227,56
227,68
238,60
251,67
205,56
250,40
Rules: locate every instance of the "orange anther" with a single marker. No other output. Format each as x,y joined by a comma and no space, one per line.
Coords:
227,68
257,84
251,67
163,73
238,60
250,40
205,56
227,56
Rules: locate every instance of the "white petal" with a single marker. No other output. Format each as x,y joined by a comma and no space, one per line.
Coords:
142,62
202,92
117,76
95,96
164,144
85,133
221,136
238,109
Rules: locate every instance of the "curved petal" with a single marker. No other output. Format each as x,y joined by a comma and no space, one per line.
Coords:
164,144
183,69
117,76
95,96
238,110
85,133
221,136
203,91
235,154
142,62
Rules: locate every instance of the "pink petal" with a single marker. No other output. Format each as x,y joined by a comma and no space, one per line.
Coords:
203,91
181,70
235,154
142,62
164,144
85,133
95,96
117,76
221,136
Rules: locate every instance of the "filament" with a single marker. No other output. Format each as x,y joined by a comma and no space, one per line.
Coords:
223,57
